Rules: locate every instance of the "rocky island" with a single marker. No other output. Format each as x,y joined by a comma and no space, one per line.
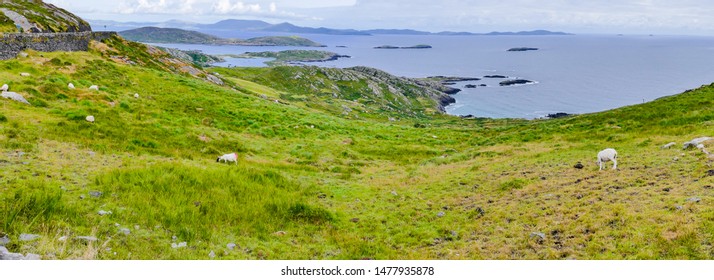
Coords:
294,56
515,82
390,47
523,49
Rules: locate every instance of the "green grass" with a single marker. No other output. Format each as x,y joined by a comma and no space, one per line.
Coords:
315,183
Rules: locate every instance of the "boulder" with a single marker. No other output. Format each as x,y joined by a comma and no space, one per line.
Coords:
696,141
14,96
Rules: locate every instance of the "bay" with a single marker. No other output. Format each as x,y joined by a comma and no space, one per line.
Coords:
572,74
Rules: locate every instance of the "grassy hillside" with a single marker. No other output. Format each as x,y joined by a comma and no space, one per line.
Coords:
315,183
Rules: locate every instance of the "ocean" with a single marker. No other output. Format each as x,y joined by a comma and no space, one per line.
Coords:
572,74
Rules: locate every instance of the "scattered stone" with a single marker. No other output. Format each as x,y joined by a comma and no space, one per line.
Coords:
179,245
667,189
669,145
4,240
579,165
90,119
694,199
394,193
675,159
28,237
22,54
280,233
174,237
14,96
354,220
24,74
102,212
125,231
445,207
32,257
480,212
95,194
440,214
695,142
62,239
231,246
81,197
679,207
322,196
710,172
539,235
86,238
7,255
212,254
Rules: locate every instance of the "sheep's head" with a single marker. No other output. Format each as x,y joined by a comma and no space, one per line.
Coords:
218,159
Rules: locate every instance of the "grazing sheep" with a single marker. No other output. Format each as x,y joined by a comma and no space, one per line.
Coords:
228,157
94,87
90,119
4,87
606,155
70,86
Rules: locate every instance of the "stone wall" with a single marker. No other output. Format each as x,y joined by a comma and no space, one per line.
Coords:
11,44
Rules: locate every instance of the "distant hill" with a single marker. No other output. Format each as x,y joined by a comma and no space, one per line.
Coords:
262,26
180,36
170,35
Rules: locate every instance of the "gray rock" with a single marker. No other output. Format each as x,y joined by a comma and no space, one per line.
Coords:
440,214
95,194
231,246
32,257
694,199
669,145
179,245
125,231
214,80
6,255
696,141
538,235
14,96
4,240
102,212
28,237
63,238
212,254
394,193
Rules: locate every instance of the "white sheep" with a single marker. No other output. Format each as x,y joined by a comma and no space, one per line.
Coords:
4,87
228,157
90,119
606,155
94,87
70,86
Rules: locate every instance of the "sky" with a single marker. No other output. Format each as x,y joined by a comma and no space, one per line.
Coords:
681,17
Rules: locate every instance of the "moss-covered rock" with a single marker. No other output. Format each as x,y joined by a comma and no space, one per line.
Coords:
38,17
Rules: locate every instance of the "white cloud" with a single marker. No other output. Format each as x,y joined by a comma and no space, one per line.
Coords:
224,7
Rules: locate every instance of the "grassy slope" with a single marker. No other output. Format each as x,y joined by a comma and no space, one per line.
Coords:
315,184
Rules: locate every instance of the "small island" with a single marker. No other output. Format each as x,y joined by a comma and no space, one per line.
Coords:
515,82
495,77
523,49
294,56
390,47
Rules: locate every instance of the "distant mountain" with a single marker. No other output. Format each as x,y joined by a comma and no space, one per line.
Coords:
262,26
236,24
290,28
180,36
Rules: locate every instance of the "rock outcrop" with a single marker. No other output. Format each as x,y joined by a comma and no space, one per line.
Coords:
39,17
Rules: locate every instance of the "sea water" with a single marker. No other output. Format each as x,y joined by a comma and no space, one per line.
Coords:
572,74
